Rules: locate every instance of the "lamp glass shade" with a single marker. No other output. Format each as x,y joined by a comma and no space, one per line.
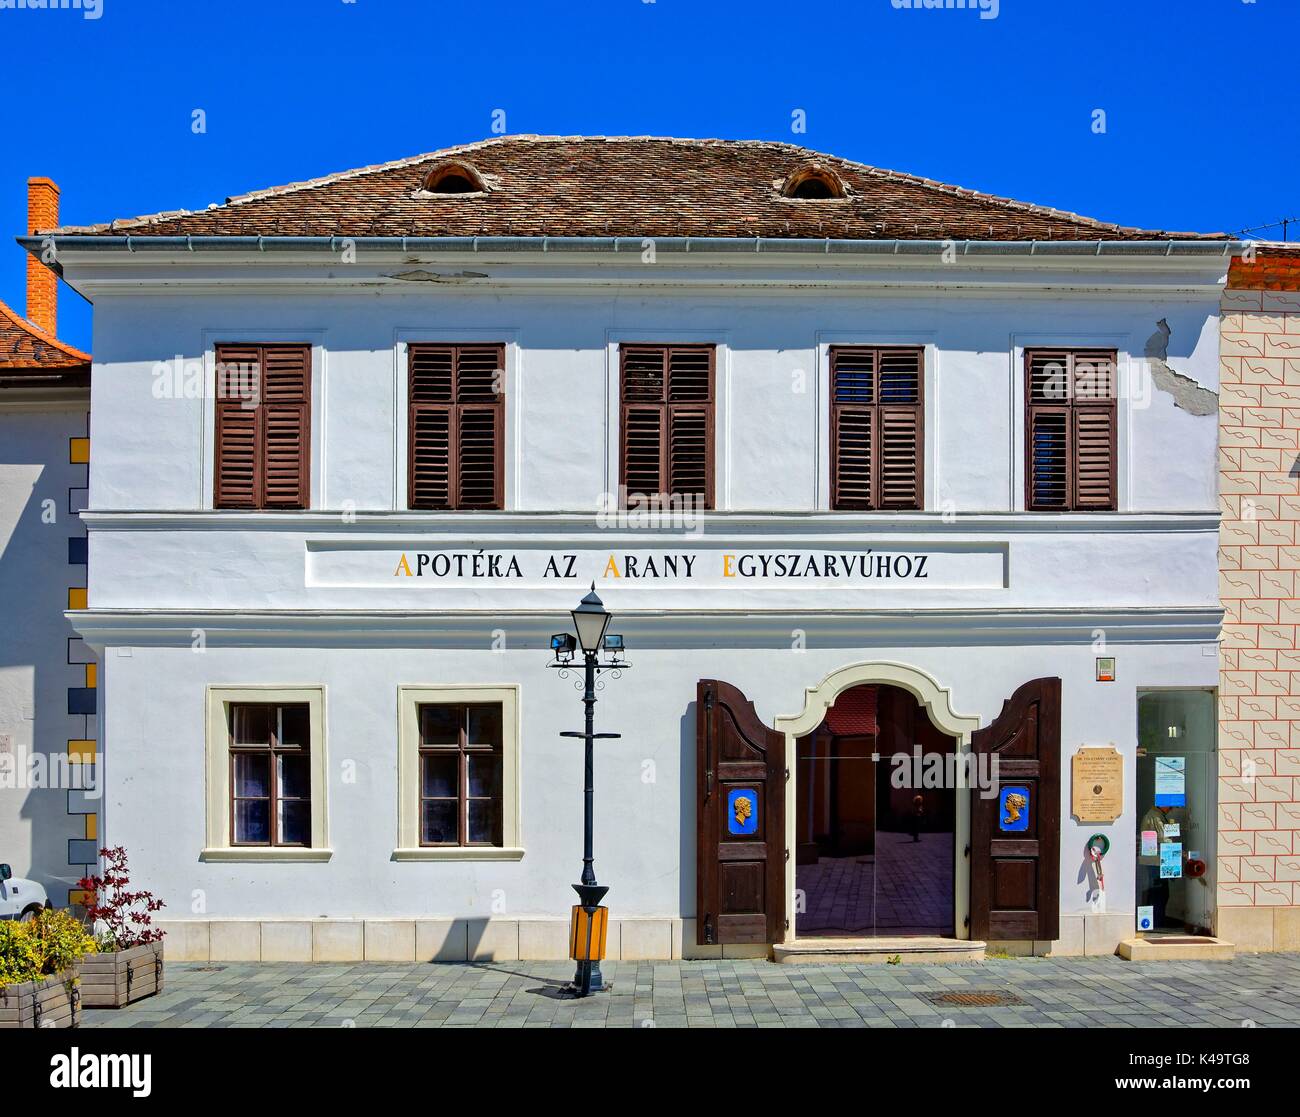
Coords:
590,619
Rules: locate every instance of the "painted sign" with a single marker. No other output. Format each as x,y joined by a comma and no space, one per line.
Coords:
1097,782
703,566
742,811
1171,781
1013,809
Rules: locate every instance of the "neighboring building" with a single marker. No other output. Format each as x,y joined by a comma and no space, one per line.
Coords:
362,442
47,674
1259,704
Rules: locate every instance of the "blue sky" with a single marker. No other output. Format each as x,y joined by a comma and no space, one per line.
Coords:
1202,115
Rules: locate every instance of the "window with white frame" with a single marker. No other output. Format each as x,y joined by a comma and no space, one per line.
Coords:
266,774
458,773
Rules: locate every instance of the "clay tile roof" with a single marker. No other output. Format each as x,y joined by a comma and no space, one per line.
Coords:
26,348
625,186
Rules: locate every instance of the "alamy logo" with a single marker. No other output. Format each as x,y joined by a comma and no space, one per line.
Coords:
89,9
112,1072
988,9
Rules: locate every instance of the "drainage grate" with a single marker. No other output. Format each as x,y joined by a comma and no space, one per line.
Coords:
982,998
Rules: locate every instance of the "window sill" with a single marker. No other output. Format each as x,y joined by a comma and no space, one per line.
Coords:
265,854
459,853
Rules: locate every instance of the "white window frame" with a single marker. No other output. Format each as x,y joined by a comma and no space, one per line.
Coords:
219,846
409,699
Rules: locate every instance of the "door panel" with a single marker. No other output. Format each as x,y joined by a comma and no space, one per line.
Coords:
740,820
1015,834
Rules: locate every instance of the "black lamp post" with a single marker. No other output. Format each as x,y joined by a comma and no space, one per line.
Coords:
590,620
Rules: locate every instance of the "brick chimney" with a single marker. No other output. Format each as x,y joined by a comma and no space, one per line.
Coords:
42,284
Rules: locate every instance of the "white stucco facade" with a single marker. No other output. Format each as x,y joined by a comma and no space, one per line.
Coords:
184,598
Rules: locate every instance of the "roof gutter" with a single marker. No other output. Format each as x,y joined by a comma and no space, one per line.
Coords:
1170,248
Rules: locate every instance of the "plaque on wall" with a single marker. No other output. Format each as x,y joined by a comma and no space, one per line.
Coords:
1097,779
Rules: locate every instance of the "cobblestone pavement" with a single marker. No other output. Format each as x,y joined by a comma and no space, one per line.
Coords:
1259,990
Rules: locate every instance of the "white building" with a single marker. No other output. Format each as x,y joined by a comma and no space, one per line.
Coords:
48,793
329,545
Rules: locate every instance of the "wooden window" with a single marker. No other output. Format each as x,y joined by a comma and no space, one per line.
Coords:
461,770
263,437
877,427
667,422
456,426
270,774
1070,439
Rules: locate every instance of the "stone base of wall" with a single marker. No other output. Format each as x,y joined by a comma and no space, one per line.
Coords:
508,940
427,940
1250,929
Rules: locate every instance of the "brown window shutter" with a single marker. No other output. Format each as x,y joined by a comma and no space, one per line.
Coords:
877,427
263,430
666,436
642,456
1070,430
1094,453
900,457
456,431
1050,475
286,387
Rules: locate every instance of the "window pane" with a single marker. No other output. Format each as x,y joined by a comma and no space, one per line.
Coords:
295,726
295,776
295,822
440,725
252,775
485,776
252,725
438,822
485,821
439,776
253,820
485,725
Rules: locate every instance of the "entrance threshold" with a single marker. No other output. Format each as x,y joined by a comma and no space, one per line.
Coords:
1171,948
803,952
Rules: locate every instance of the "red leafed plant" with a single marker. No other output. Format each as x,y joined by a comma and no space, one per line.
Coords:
126,916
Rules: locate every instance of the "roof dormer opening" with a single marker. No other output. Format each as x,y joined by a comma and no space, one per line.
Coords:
454,177
813,183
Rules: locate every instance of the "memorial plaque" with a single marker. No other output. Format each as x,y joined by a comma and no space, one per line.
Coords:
1097,780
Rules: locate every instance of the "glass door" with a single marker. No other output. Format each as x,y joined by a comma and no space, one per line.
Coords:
1177,775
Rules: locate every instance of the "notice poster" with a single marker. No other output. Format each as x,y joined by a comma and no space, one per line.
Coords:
1149,845
1171,860
1171,781
1146,917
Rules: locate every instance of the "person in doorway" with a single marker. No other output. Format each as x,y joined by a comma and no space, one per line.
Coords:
1168,824
918,816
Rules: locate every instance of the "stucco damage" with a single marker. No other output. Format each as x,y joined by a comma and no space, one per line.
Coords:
1186,392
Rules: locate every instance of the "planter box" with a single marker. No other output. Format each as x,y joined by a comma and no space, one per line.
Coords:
53,1002
117,979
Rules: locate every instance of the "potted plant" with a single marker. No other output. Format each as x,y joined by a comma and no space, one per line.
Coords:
128,963
38,971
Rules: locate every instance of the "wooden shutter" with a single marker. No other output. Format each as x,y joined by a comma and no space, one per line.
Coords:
877,428
263,426
456,425
286,375
1015,849
740,849
666,438
1070,430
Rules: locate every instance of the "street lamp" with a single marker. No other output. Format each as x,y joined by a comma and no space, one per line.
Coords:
590,620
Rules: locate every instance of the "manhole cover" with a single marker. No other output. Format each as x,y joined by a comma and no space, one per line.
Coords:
974,999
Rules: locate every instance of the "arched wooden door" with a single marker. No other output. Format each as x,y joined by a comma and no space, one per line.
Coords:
740,818
1016,833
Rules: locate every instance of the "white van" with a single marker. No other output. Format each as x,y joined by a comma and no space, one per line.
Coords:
19,898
